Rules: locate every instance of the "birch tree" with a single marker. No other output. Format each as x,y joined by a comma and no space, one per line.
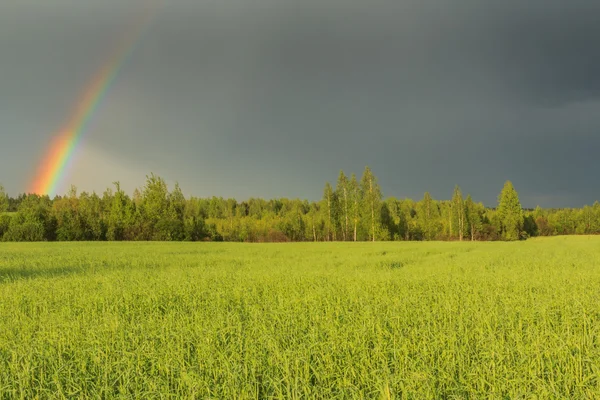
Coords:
354,200
342,196
371,202
458,213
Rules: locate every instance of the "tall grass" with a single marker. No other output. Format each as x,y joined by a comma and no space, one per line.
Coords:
389,320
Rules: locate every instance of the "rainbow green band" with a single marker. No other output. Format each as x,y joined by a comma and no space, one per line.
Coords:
55,164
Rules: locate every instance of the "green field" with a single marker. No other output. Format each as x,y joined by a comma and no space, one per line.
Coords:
383,320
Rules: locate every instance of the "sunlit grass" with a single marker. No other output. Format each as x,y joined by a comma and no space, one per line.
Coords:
216,320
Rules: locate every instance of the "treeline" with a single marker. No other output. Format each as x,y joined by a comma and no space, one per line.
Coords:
352,210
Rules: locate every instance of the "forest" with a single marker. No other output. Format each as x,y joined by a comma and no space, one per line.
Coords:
352,210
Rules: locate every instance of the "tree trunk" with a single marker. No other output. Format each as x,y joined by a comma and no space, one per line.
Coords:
346,213
329,210
355,217
372,208
373,220
450,223
461,226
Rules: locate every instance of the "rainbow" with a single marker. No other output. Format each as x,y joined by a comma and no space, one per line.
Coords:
57,159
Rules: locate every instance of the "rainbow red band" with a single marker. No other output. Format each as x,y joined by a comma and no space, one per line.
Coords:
55,164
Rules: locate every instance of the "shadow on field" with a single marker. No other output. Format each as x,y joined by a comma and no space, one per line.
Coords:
14,274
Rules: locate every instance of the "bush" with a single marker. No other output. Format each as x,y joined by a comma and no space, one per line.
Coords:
29,231
4,224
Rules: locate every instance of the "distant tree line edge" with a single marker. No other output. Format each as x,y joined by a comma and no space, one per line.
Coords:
353,210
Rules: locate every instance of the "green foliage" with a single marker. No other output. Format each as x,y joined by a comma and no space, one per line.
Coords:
3,200
354,201
458,215
343,212
121,214
315,321
24,231
352,211
33,221
510,213
329,205
428,217
193,220
5,218
371,204
474,217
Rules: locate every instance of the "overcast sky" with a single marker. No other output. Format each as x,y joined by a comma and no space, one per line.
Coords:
271,98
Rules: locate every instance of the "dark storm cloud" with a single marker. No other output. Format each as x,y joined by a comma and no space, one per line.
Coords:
269,98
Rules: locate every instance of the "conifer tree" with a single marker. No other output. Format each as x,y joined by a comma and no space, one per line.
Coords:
510,212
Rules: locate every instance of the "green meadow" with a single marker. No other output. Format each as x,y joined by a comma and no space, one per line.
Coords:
328,320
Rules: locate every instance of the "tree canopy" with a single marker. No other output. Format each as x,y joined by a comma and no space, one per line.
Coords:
510,212
353,210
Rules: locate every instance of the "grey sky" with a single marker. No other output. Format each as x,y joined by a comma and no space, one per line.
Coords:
271,98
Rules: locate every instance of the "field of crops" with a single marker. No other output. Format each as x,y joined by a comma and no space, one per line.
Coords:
383,320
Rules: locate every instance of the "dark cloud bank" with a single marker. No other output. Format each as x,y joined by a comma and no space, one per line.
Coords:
272,98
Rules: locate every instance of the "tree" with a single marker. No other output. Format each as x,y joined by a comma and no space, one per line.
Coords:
3,200
33,221
472,216
230,206
90,214
354,200
427,215
172,220
328,207
352,211
510,213
120,214
4,218
371,195
154,204
595,223
193,220
392,217
66,212
343,198
530,228
292,221
458,214
312,221
409,227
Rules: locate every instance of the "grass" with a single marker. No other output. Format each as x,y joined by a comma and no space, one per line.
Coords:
226,321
